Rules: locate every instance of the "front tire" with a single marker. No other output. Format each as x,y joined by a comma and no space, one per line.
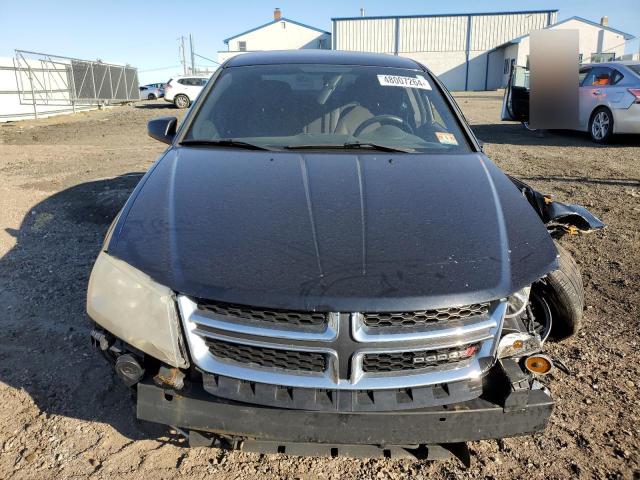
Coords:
151,96
564,293
181,101
601,125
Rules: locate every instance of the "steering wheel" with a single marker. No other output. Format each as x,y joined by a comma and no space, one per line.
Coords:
384,120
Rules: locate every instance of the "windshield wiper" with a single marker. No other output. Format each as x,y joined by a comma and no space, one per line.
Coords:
224,142
344,146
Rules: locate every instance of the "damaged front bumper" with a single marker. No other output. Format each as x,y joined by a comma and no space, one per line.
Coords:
509,407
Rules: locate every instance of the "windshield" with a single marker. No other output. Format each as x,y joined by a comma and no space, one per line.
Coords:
327,106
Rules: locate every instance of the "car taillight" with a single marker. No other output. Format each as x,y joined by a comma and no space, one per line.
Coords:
636,93
167,86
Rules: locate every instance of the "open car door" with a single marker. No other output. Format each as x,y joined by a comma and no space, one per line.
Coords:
515,103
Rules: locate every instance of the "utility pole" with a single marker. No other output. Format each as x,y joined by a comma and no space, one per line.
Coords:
183,60
193,58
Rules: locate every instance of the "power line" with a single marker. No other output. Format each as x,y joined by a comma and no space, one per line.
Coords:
205,58
158,69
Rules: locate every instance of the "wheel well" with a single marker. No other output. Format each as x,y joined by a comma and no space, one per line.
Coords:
600,107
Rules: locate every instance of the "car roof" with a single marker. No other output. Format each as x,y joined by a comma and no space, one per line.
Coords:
190,76
327,57
611,64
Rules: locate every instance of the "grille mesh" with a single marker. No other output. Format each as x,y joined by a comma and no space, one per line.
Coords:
424,317
289,317
268,357
398,361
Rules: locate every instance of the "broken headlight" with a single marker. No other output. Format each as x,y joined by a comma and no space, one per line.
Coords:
517,302
134,308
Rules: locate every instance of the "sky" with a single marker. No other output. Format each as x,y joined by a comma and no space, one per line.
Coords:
145,34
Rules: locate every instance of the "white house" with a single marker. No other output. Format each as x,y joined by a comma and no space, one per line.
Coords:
468,51
597,42
279,34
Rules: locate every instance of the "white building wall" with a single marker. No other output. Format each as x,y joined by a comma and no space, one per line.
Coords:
282,35
489,31
368,35
432,34
591,40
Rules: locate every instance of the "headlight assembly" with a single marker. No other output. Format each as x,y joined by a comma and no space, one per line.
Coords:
517,302
134,308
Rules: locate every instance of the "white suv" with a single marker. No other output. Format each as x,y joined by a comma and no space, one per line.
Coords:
183,90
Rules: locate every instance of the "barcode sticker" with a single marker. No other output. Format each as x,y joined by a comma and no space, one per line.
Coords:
406,82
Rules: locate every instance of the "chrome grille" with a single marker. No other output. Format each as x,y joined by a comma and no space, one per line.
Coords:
268,357
424,317
399,361
344,353
286,317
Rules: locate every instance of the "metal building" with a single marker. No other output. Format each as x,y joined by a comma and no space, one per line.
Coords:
454,47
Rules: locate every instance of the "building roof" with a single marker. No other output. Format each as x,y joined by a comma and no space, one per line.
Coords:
627,36
383,17
327,57
283,19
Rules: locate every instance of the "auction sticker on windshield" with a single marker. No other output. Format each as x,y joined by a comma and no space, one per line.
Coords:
399,81
446,138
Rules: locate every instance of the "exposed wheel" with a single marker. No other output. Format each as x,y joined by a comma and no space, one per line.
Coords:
601,125
151,96
563,292
181,101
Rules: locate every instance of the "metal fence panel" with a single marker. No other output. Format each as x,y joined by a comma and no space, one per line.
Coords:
103,85
133,87
82,80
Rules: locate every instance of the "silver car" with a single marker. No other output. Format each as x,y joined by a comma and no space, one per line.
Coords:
609,99
152,91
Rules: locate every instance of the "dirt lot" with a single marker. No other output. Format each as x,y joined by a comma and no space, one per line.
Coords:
63,415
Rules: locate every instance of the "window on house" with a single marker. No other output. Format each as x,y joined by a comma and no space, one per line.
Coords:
579,59
322,43
505,69
242,46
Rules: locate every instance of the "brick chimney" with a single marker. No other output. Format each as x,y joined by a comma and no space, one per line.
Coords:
604,21
277,14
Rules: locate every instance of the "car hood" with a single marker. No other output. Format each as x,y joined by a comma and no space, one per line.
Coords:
344,232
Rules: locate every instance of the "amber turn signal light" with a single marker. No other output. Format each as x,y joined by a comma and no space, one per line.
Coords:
538,364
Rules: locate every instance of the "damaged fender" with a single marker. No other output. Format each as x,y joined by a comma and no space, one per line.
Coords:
560,218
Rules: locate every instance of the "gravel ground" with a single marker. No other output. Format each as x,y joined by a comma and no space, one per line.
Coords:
63,415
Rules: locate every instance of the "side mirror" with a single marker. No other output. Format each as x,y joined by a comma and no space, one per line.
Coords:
163,128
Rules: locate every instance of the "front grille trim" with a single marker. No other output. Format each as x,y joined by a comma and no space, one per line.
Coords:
268,357
399,361
264,316
423,318
351,352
